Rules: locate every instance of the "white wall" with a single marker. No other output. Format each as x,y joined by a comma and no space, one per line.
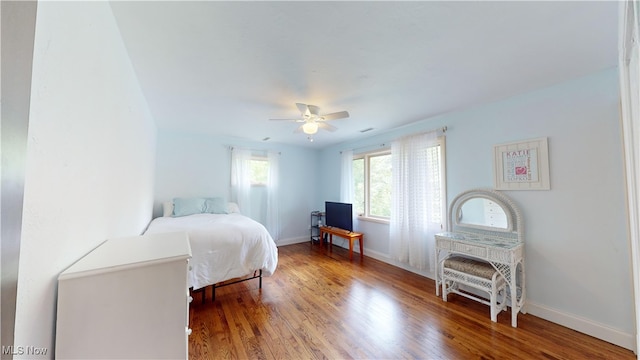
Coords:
577,251
90,155
200,165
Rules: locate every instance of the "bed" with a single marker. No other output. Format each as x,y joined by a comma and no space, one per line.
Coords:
225,244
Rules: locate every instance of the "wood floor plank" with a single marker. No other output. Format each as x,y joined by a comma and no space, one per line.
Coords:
320,305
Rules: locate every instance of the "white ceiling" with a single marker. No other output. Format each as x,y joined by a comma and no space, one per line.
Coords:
225,68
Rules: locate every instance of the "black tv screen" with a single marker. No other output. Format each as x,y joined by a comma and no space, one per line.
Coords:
338,215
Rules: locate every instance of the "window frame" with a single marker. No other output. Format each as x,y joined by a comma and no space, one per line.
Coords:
366,157
387,150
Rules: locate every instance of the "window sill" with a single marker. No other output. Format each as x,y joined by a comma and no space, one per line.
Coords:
373,219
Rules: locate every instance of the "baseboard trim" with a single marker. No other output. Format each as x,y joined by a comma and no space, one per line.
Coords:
583,325
385,258
290,241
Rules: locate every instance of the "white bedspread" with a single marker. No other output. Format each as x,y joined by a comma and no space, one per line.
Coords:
223,246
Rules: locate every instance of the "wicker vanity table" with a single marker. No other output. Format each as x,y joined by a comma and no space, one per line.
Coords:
485,225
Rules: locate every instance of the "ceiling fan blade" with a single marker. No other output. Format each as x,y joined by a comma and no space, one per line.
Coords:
314,110
327,127
335,116
304,109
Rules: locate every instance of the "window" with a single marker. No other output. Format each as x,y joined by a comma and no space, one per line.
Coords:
259,171
435,164
372,185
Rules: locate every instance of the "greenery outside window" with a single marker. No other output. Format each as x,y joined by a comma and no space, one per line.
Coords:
259,171
372,185
372,175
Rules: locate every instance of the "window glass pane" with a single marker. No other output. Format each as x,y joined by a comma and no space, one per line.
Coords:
358,186
259,171
433,164
372,175
380,185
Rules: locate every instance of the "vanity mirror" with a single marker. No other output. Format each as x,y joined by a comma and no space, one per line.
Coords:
478,209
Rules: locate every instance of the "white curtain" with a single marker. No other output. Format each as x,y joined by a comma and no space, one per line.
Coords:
629,67
273,211
412,224
241,179
346,177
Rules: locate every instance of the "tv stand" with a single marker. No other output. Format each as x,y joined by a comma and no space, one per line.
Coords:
349,235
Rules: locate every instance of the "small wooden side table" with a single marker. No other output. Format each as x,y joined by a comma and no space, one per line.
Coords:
349,235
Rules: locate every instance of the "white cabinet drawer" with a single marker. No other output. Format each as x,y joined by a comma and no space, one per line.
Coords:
478,251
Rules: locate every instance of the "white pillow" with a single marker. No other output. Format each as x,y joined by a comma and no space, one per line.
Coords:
167,208
233,208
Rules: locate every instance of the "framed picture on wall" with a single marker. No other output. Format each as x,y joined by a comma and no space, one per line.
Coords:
522,165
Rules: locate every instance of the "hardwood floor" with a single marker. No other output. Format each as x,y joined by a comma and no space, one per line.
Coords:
319,305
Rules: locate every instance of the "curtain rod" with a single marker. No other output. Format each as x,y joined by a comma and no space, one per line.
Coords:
441,129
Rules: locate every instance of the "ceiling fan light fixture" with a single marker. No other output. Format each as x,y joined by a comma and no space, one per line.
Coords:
311,121
310,127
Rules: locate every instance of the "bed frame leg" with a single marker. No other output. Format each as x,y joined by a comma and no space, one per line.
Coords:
214,286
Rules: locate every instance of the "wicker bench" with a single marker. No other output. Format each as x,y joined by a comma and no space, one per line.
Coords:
477,274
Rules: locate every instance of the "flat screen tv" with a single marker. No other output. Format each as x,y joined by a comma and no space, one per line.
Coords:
338,215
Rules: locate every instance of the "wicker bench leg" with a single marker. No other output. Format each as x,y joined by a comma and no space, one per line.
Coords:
494,299
444,290
494,286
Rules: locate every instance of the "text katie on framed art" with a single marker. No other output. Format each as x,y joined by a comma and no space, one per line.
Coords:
522,165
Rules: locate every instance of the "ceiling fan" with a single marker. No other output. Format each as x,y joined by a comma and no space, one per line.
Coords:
312,120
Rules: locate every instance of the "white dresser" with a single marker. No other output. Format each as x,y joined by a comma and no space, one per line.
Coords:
127,299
